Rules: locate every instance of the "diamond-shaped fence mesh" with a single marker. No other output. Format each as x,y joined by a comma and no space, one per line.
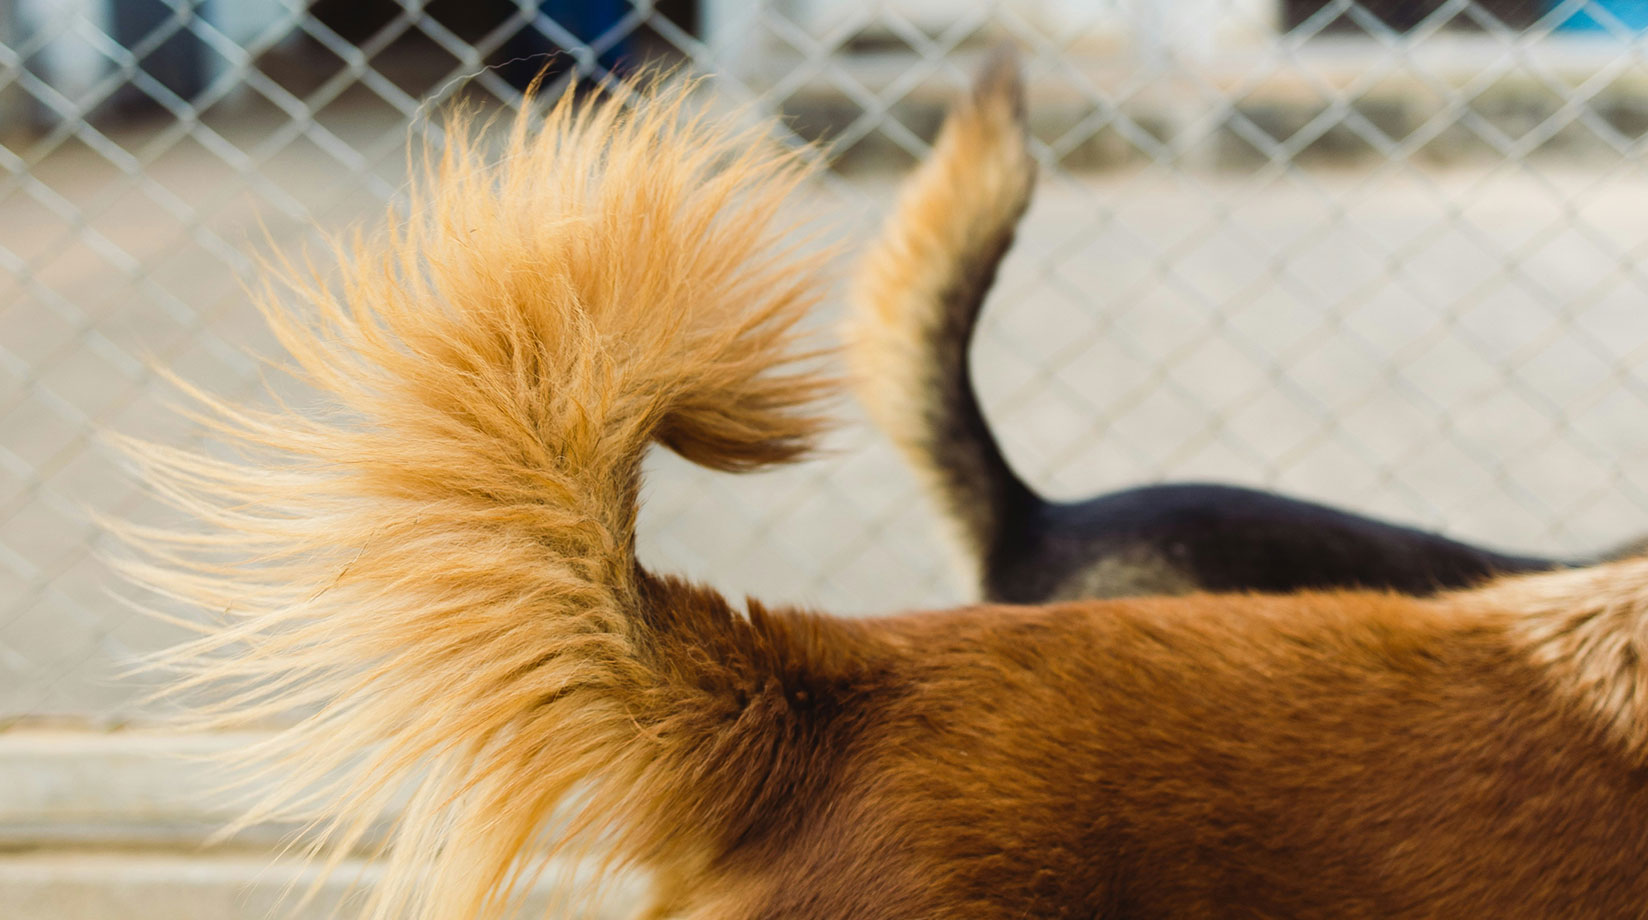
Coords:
1382,254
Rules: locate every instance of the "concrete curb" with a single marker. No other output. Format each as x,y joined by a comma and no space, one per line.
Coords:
99,825
82,885
114,788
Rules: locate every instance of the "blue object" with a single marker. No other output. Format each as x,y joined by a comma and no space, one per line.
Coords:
590,19
1632,14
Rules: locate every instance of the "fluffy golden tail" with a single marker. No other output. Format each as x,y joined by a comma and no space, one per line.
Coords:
432,571
918,297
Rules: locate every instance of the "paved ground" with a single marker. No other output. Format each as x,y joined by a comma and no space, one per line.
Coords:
1459,348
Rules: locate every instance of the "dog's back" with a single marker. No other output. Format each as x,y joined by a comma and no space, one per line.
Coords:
1315,756
1183,537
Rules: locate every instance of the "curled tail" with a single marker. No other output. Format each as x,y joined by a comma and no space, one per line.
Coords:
917,301
432,574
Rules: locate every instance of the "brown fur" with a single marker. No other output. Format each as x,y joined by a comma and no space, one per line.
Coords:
1312,756
441,560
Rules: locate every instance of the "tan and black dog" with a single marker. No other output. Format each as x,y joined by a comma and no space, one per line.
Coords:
917,302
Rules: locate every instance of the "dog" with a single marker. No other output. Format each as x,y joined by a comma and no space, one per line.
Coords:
917,300
429,572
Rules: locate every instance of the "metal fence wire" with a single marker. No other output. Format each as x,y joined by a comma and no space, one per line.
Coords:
1382,254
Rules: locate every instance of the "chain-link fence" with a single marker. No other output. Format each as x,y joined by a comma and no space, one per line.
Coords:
1380,254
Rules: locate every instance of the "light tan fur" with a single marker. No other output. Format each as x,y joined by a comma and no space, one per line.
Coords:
434,567
1134,572
1587,630
955,217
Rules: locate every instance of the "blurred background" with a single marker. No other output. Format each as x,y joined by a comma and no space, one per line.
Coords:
1382,254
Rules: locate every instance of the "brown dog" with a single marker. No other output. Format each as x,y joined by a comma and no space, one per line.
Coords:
434,573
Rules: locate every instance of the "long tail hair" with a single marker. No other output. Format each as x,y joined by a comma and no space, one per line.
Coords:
432,570
917,301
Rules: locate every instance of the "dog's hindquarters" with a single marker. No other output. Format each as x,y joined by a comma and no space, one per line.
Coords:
917,302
